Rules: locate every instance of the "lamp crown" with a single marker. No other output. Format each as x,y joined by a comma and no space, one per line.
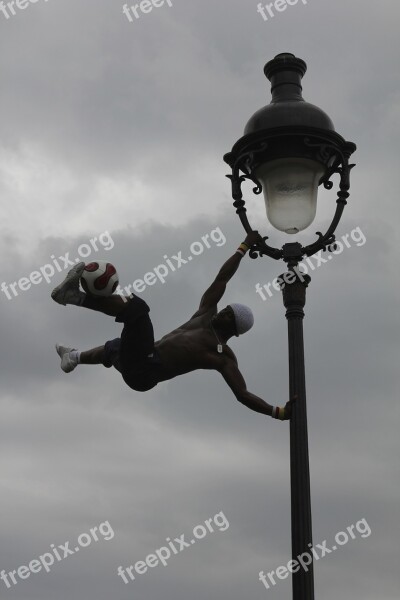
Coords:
285,73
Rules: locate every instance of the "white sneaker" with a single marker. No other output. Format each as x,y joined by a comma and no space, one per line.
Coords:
68,291
67,364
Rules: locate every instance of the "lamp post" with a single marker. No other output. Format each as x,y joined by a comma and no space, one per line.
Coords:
290,148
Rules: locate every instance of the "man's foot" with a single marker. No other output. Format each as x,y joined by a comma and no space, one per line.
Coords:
68,363
68,291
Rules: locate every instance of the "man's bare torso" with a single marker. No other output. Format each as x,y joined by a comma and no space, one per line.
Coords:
191,346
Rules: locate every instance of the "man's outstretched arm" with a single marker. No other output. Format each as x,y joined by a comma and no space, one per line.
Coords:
233,377
214,293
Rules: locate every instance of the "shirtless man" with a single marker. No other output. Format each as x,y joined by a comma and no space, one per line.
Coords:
200,343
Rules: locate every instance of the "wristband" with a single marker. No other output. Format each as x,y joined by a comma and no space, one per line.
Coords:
243,248
278,413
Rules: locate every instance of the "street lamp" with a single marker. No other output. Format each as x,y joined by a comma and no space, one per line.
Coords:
289,149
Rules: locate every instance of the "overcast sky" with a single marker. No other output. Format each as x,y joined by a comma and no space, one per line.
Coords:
115,127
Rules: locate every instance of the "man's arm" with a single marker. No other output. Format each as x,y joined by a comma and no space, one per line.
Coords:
233,377
214,293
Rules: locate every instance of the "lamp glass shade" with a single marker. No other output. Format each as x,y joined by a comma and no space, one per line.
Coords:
290,187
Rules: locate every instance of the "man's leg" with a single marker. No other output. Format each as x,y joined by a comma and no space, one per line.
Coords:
95,356
106,355
109,305
137,339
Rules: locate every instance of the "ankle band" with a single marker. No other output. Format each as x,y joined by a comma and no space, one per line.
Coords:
75,356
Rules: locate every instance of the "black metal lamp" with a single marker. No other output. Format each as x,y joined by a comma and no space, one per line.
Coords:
289,148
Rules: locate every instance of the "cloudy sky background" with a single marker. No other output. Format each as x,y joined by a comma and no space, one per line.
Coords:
115,126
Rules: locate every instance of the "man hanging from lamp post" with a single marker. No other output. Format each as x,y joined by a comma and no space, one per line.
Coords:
199,343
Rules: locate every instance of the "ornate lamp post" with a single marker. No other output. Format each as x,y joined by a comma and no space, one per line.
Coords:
289,148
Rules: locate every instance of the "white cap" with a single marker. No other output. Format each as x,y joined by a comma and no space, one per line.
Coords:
244,318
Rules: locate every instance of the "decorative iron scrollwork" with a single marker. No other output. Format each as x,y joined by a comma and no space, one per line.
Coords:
335,157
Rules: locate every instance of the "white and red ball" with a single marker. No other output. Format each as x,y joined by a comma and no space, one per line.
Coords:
99,278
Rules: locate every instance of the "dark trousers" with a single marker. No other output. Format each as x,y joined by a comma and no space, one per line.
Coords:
129,354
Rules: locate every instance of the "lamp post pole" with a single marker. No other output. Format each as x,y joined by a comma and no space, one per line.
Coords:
290,148
294,298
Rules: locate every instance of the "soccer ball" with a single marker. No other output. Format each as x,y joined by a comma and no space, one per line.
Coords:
99,278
